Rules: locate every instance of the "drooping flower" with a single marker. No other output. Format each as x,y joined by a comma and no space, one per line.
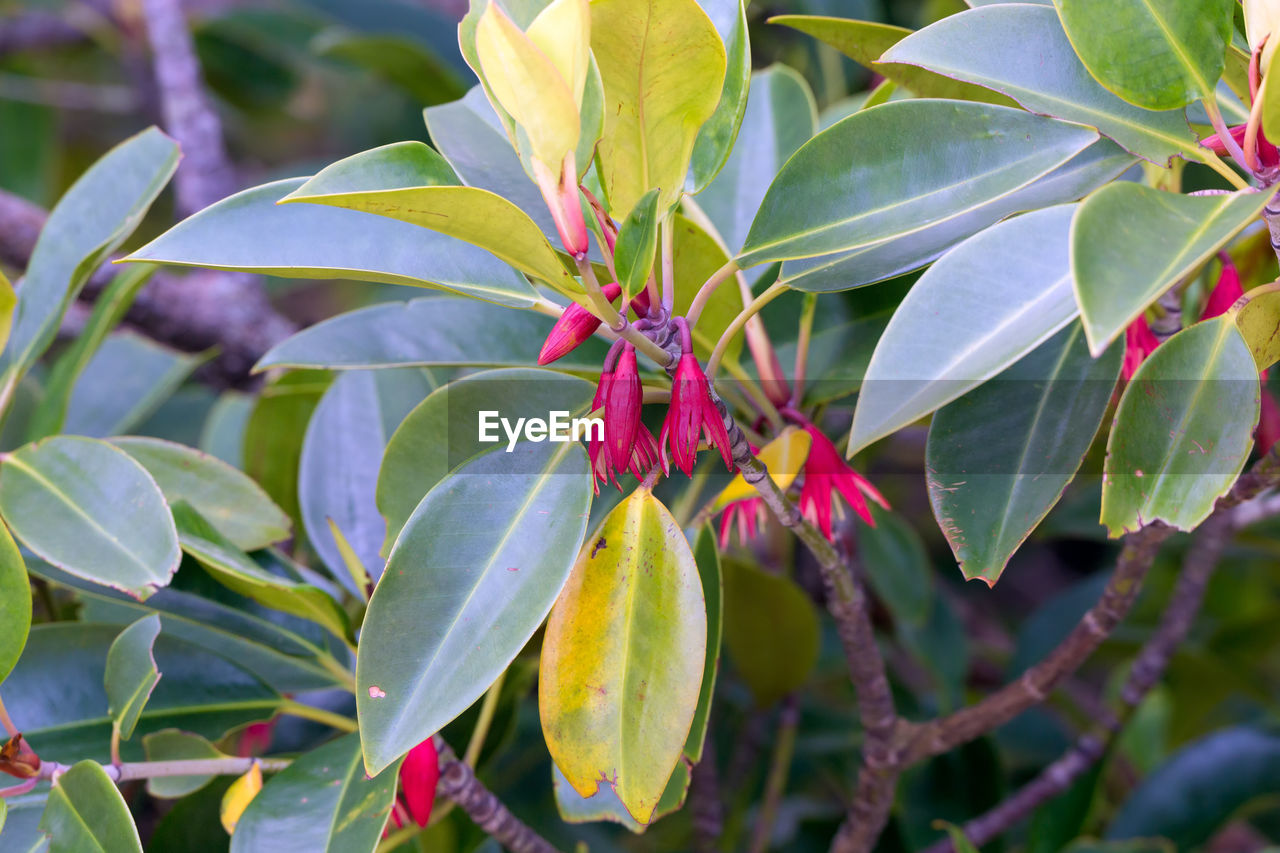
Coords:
826,473
1268,154
1225,292
1139,342
577,324
622,399
692,413
745,516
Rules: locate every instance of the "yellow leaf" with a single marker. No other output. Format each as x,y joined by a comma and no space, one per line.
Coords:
350,559
563,32
623,657
8,301
784,457
1257,316
1260,19
529,86
238,797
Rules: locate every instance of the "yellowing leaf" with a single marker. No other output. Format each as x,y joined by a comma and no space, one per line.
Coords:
563,32
238,797
8,300
350,559
623,657
1257,316
529,86
663,67
1260,19
784,457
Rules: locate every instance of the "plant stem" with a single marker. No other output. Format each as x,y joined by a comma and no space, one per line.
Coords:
668,265
807,314
459,783
130,771
708,290
616,322
9,728
318,715
487,710
1210,101
784,748
717,355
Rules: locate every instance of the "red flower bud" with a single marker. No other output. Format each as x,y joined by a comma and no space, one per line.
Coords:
1225,292
575,325
419,773
622,399
1139,342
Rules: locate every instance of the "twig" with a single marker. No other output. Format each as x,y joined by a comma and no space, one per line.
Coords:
458,782
130,771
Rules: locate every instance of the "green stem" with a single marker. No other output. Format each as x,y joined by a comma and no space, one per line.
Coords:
318,715
708,290
131,771
668,265
617,323
6,721
481,731
717,355
1210,101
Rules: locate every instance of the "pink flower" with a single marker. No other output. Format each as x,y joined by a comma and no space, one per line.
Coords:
1268,154
577,324
419,773
622,399
747,513
692,415
825,474
1225,292
1139,342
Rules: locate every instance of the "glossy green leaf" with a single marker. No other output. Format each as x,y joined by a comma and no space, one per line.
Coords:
250,232
224,496
234,569
87,814
411,183
175,745
697,256
1095,166
65,717
980,308
470,579
274,432
88,508
222,435
131,673
663,67
99,211
1022,51
897,566
716,139
1131,243
321,803
443,432
15,603
637,243
1171,452
623,657
108,310
918,162
779,660
400,60
1158,54
431,332
780,117
1000,457
865,42
341,455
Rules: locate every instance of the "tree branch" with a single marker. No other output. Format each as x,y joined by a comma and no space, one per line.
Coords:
458,782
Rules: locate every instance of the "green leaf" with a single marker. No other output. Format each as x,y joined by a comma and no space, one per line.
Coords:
897,565
623,657
56,692
1257,320
108,310
174,745
131,673
1022,51
865,42
88,508
707,557
126,380
341,454
411,183
1095,166
437,436
402,61
1171,452
431,332
1158,54
780,117
697,256
980,308
99,211
235,570
776,660
15,603
663,67
600,806
917,162
1000,457
274,432
225,497
321,802
637,242
86,814
716,139
1131,243
471,599
250,232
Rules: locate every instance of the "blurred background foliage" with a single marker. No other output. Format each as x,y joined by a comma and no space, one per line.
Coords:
301,83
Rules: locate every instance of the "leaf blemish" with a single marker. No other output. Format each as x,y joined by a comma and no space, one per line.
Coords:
376,692
600,543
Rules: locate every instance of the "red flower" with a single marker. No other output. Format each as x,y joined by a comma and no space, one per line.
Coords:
747,513
1139,342
1268,154
691,415
825,473
419,773
622,399
1268,431
1225,292
577,324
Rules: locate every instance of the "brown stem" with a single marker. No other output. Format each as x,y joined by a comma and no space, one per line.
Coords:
459,783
